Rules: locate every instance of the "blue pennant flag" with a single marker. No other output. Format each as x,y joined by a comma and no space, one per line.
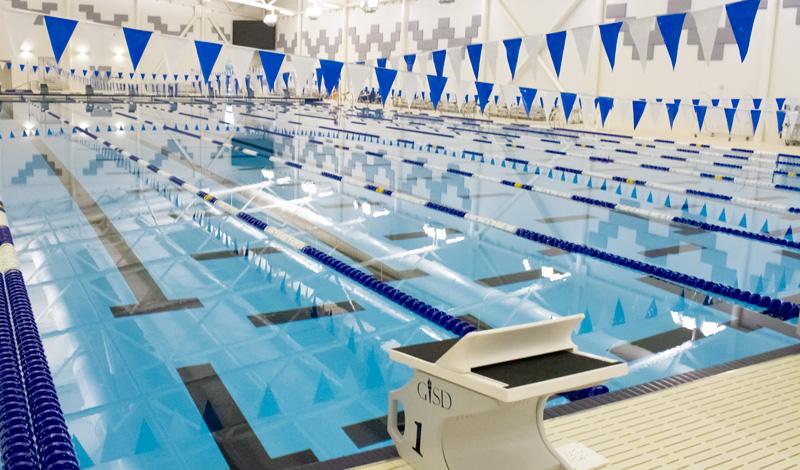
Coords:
638,110
779,103
700,113
755,116
695,101
271,63
207,53
781,117
436,85
60,31
672,111
757,103
730,113
741,16
319,80
382,62
609,34
331,72
555,44
438,61
385,81
410,59
605,104
512,54
285,79
671,27
715,102
568,99
484,91
735,102
137,40
528,95
474,53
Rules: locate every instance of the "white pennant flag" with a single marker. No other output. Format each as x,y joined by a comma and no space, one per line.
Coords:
241,58
583,41
421,64
640,33
23,34
177,54
304,68
532,46
489,67
707,23
410,85
510,93
657,110
456,61
357,76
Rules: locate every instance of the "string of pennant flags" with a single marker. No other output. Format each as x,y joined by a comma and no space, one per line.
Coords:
409,83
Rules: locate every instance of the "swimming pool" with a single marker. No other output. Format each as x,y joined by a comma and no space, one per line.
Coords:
181,336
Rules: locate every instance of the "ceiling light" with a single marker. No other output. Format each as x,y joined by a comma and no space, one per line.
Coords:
313,12
369,6
270,18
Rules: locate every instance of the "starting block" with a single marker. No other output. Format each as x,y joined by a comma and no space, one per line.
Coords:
478,402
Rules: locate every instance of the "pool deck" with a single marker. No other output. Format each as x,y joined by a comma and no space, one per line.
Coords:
745,418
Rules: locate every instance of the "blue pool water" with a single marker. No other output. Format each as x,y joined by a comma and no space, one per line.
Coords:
168,349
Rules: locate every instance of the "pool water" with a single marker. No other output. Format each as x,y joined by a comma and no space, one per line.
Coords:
181,337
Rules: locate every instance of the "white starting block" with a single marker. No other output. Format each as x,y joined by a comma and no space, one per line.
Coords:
477,402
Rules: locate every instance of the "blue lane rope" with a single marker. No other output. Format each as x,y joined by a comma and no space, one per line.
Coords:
33,431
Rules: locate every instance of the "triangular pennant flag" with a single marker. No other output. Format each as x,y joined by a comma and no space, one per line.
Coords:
357,76
137,40
271,63
715,102
730,113
60,31
638,110
568,100
474,53
609,34
779,103
382,62
672,112
671,27
757,103
438,61
240,58
555,44
207,53
755,116
735,102
604,103
707,24
512,54
583,41
331,72
410,59
304,68
741,16
385,81
640,34
532,46
484,91
456,63
780,116
700,113
528,95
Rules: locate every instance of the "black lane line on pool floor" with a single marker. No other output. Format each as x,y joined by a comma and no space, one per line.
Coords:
382,271
647,347
743,318
223,254
149,297
304,313
236,440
